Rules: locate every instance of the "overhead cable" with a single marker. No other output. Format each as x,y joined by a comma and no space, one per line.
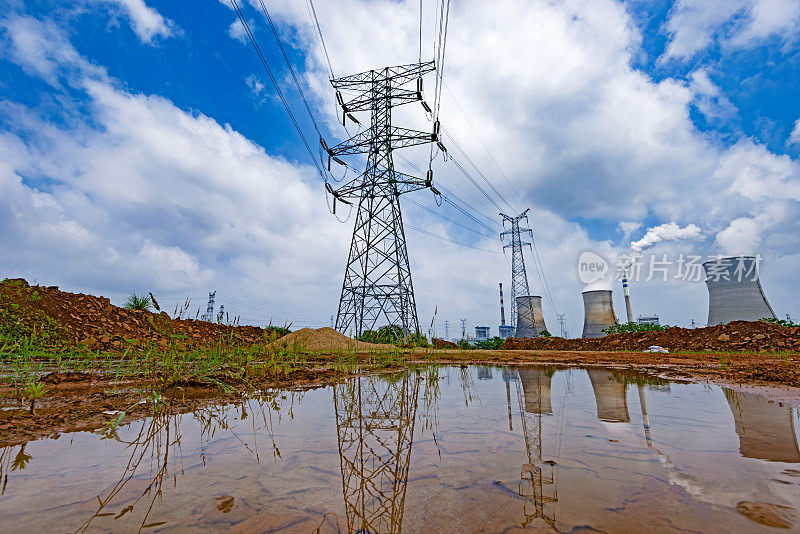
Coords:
252,38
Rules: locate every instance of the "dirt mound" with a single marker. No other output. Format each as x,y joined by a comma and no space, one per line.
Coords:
323,339
442,344
738,336
69,318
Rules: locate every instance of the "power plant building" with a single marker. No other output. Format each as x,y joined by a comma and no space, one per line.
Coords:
530,319
598,312
481,333
734,291
648,319
507,331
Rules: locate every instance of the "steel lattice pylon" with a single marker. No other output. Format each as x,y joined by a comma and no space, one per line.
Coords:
375,428
537,474
519,278
377,282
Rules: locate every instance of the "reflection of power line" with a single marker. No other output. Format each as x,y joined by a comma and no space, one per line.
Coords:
375,429
534,400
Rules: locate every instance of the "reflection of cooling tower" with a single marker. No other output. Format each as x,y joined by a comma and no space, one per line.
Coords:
530,320
536,389
598,310
765,429
734,291
609,394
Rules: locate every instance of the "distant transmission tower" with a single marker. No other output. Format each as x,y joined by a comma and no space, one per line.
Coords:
519,278
377,280
210,308
562,324
221,313
447,330
463,329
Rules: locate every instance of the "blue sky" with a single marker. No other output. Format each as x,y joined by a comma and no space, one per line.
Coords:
611,119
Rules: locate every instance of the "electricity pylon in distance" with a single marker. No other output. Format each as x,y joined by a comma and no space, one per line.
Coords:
519,278
377,281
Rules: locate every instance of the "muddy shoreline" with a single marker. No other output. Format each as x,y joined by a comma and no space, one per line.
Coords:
76,402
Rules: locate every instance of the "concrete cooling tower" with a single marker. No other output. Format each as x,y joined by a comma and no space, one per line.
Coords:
734,291
536,389
598,312
609,394
530,319
765,429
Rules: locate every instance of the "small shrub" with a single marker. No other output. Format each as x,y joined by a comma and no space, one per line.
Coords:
545,333
781,322
622,328
490,344
138,302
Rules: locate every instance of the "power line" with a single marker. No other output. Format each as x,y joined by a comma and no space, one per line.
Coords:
252,38
472,164
443,238
321,38
289,65
446,218
482,143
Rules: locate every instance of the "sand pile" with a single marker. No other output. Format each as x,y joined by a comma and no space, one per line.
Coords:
324,339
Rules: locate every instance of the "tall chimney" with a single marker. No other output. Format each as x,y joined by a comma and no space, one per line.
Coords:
502,307
627,297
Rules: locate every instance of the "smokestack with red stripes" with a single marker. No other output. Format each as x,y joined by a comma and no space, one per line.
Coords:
502,307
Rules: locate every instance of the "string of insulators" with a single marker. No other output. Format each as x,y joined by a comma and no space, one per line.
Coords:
330,154
345,112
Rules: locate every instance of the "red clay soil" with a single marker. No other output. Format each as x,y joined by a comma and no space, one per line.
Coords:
443,344
99,325
738,336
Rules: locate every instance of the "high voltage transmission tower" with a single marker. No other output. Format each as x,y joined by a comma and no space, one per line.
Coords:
377,280
209,316
375,429
562,324
519,278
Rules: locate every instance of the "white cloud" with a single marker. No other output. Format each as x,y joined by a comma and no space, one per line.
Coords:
710,100
147,23
694,25
665,232
794,137
236,31
579,132
627,228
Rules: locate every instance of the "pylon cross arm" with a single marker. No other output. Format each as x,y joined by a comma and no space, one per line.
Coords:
364,142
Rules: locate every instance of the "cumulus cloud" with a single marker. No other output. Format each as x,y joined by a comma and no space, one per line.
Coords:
794,137
147,23
236,31
694,25
579,132
665,232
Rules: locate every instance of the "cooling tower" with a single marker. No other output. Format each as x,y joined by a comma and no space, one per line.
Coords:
609,394
598,312
536,389
765,429
734,291
530,320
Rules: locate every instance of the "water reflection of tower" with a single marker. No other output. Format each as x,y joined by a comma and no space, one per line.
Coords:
609,394
765,429
375,428
533,394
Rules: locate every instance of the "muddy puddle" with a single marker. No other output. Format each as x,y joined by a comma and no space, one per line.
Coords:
449,449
